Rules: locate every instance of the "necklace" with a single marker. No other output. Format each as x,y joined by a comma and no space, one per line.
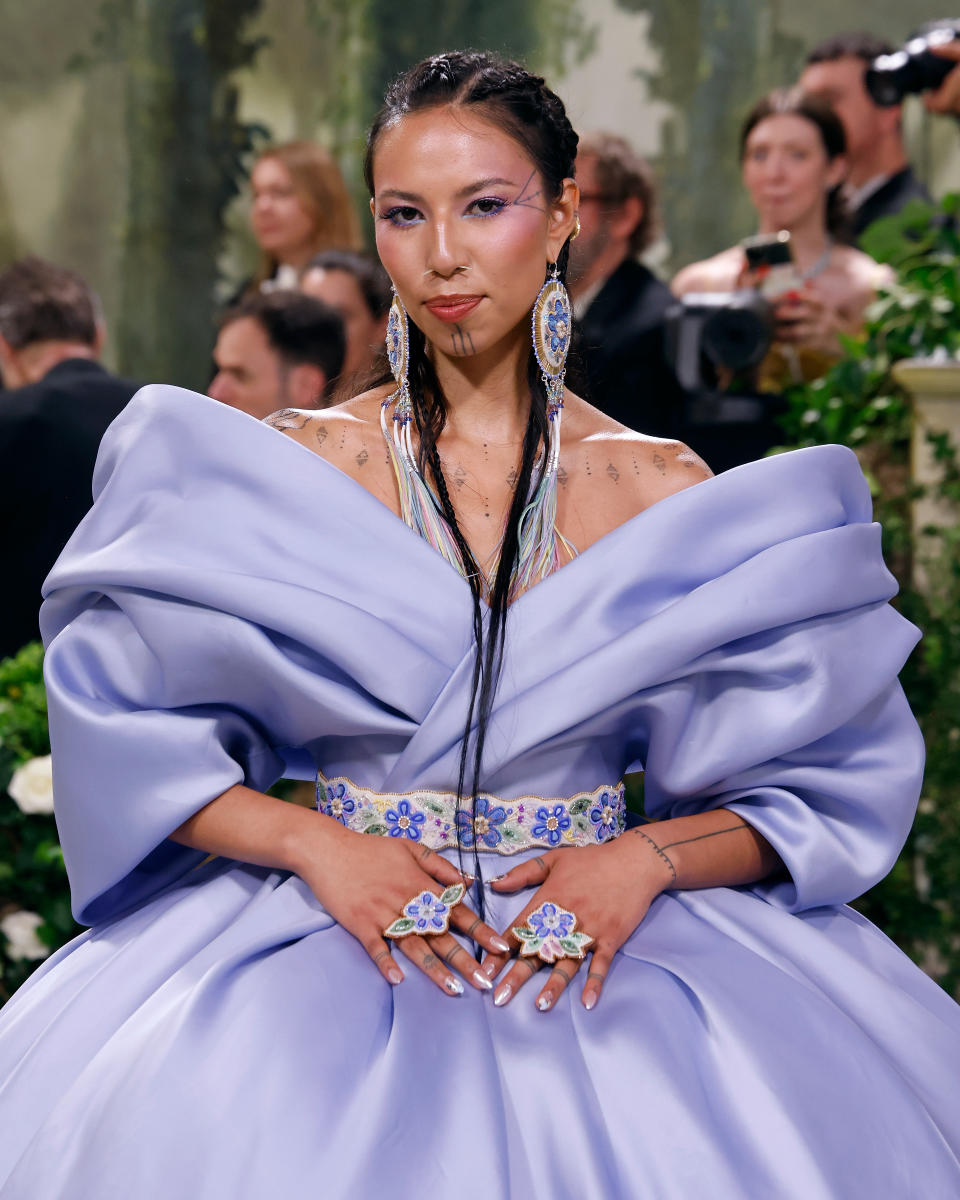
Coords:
820,265
542,547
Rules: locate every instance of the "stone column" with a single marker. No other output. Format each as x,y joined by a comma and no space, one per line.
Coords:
934,386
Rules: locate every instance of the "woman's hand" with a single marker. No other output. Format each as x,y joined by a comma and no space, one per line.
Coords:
807,318
363,882
609,889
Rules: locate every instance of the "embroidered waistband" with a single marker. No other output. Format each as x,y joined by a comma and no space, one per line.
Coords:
500,826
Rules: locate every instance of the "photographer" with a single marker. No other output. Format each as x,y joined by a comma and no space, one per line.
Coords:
946,98
880,180
792,157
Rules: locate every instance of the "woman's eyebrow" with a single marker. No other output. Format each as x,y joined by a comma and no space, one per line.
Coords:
478,186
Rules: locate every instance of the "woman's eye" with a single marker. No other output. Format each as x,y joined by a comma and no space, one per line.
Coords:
402,215
488,206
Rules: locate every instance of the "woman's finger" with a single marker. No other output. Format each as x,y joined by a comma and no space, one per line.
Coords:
560,977
422,952
466,921
437,866
461,960
382,955
528,874
597,975
520,973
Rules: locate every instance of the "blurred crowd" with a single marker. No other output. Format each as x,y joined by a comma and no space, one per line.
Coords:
703,357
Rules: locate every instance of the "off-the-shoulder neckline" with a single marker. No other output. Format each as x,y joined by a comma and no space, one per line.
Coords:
597,547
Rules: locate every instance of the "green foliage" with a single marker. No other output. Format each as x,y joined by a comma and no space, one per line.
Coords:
32,875
860,404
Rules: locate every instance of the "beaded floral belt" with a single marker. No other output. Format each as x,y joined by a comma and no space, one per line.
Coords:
501,826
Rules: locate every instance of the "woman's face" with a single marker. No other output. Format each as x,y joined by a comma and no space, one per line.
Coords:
464,227
786,170
281,224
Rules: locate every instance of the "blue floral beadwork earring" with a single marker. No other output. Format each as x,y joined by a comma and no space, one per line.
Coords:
398,355
552,321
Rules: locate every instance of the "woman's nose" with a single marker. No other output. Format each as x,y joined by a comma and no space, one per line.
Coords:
444,255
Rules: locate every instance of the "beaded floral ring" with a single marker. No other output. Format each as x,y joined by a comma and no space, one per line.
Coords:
426,913
550,933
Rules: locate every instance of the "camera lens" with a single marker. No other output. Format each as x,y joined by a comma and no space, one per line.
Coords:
914,68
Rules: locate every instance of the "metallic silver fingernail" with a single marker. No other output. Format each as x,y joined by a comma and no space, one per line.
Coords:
395,975
490,967
499,944
482,981
503,995
545,1001
589,1000
453,986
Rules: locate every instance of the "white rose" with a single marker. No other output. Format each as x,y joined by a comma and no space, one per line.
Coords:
20,930
32,786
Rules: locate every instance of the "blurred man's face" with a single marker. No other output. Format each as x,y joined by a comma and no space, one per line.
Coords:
364,332
594,219
250,375
841,84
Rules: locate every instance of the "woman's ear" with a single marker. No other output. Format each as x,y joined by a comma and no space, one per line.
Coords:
837,171
562,218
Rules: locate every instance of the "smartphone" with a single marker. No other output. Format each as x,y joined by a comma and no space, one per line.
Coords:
770,263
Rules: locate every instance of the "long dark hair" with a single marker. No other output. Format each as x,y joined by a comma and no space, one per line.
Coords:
794,102
520,104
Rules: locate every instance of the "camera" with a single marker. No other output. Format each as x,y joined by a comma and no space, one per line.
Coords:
731,330
914,68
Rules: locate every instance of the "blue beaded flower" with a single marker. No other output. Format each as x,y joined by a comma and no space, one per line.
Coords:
604,814
482,827
428,913
558,324
550,933
339,803
551,823
549,920
404,821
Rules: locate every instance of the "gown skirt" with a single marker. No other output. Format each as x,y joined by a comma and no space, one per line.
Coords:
233,609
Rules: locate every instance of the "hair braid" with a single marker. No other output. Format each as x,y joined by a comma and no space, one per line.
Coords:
521,105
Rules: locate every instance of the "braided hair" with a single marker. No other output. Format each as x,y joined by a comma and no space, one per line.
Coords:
522,106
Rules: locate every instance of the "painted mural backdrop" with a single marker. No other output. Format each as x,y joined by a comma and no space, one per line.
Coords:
128,126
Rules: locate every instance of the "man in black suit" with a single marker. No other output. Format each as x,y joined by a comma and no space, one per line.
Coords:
619,304
57,403
880,180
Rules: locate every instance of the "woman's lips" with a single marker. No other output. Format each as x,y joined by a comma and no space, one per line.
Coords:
453,308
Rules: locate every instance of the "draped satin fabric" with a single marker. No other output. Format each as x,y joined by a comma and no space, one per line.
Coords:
234,607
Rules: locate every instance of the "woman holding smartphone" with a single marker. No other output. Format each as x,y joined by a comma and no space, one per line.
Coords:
792,152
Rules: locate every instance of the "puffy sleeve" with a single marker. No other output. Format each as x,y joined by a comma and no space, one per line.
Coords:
789,711
204,625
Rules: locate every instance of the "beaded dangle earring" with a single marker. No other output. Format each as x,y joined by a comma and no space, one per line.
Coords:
419,507
539,551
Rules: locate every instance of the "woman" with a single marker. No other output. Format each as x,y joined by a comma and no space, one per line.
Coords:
300,206
792,158
292,1013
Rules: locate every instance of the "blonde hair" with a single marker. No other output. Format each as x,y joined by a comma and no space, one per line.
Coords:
321,190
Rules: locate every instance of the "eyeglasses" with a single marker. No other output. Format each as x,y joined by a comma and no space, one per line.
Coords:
598,197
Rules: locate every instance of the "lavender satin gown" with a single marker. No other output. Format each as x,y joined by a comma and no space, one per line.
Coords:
233,607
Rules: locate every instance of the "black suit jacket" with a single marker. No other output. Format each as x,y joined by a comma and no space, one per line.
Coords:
888,200
624,369
49,436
